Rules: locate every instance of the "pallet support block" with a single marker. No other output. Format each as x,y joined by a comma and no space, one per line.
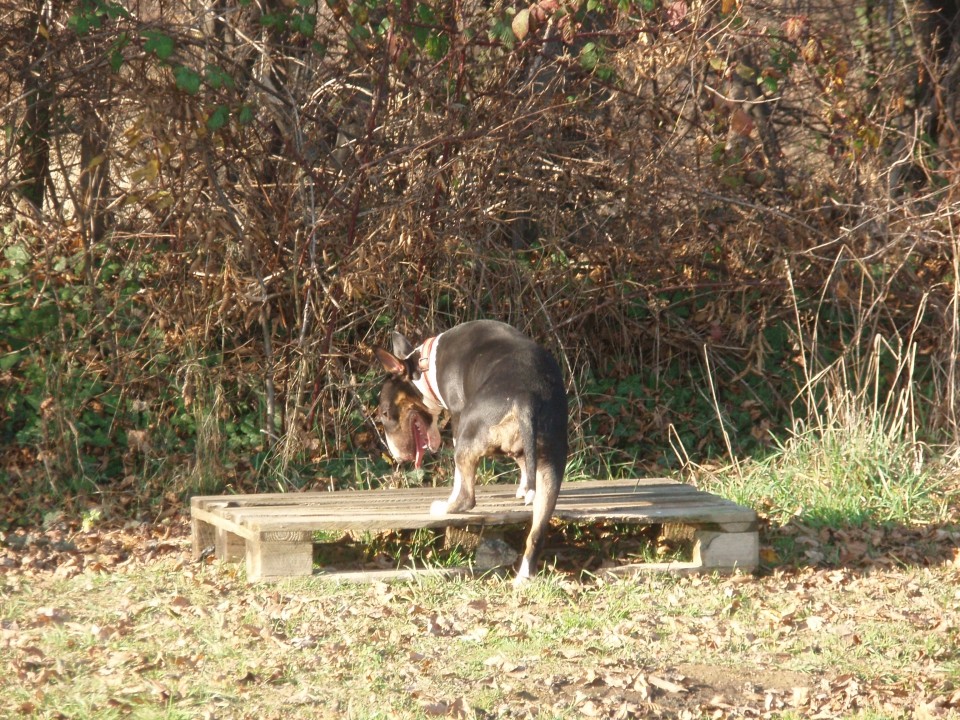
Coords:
279,554
468,538
202,535
228,546
728,548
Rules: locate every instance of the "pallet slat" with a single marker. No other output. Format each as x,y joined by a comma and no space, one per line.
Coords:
274,529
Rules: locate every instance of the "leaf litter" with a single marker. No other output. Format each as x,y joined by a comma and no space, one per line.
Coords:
121,621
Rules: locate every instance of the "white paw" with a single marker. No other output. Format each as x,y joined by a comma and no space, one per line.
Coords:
529,496
523,574
521,491
439,507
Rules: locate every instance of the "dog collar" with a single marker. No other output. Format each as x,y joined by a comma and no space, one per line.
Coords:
428,384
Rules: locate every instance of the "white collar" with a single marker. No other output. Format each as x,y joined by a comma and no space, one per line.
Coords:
427,383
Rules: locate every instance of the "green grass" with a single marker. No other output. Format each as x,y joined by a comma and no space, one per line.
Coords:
855,458
839,478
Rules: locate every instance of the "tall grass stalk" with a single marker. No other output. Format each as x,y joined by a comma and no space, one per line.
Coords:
204,399
855,456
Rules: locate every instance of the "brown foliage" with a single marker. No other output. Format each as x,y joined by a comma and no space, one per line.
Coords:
635,184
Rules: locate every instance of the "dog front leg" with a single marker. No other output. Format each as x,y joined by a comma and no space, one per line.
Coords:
462,497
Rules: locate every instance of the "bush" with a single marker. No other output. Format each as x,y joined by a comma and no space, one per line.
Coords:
210,218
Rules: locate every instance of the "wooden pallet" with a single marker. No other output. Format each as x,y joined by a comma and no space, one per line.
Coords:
274,532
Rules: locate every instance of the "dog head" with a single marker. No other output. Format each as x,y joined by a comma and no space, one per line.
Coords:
411,429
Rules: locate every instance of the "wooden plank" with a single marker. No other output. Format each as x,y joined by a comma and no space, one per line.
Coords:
485,501
416,521
401,574
218,521
377,523
247,525
351,498
623,506
626,500
485,514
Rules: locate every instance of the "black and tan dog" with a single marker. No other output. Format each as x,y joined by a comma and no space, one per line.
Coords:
505,396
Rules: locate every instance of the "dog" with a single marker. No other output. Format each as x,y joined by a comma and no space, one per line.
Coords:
505,396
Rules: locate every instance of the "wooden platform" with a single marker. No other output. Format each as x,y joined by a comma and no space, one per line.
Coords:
274,532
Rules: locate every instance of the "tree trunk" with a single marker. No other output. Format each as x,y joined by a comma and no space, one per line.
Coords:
35,131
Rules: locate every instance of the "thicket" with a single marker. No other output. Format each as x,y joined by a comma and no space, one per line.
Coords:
211,210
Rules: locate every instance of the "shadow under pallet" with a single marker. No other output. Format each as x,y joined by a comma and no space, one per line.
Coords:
273,532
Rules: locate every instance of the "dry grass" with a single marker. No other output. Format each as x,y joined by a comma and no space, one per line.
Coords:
128,627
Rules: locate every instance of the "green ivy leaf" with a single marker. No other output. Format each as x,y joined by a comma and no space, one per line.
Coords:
116,52
218,118
277,21
187,79
426,14
422,34
16,254
217,77
590,56
304,24
245,116
159,44
79,24
360,32
438,45
606,73
116,10
502,30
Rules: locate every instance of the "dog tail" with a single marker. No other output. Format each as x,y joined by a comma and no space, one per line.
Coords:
546,483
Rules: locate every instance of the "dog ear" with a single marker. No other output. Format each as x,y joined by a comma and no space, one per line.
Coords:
401,346
390,362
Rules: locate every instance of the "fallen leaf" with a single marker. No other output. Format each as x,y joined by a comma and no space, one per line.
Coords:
436,709
800,697
665,685
591,709
456,709
815,623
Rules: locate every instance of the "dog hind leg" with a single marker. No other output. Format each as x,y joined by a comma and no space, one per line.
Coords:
524,491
